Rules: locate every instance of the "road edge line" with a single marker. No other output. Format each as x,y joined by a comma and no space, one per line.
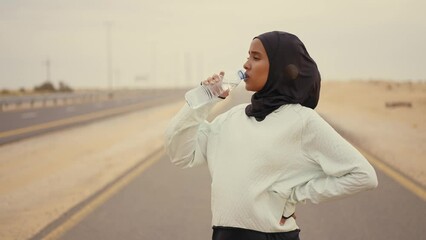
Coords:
76,214
395,175
409,184
71,120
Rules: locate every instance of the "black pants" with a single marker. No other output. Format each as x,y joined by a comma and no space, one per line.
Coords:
230,233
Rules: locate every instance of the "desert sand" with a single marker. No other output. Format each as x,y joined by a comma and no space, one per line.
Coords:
44,176
386,119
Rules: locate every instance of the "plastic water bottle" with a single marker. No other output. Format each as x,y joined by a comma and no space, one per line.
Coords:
203,94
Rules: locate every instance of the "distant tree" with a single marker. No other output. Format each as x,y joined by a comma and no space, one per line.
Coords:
22,90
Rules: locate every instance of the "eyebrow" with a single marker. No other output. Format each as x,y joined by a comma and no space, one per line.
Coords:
254,52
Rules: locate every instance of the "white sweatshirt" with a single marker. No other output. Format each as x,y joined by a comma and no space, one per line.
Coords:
260,170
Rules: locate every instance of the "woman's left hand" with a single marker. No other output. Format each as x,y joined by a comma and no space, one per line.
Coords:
282,222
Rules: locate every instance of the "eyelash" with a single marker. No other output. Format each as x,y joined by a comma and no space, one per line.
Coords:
255,58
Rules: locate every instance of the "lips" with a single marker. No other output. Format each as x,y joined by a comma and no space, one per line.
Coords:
246,77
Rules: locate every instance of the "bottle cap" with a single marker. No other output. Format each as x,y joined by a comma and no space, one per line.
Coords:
241,75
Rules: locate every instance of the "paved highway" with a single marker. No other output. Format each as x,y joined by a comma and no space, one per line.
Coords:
163,202
19,124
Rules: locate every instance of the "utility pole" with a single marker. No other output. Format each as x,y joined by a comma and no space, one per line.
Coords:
188,67
108,25
153,78
47,70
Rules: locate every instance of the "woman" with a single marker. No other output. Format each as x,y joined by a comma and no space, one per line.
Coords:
267,156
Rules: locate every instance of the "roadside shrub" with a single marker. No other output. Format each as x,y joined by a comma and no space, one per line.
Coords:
4,92
45,87
64,87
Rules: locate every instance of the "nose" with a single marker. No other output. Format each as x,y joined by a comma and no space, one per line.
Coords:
246,65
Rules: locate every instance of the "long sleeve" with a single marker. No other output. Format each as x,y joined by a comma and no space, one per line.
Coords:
186,136
345,170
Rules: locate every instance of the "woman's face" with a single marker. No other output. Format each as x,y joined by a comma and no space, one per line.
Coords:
256,66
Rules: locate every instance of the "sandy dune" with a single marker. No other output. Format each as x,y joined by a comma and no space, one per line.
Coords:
386,119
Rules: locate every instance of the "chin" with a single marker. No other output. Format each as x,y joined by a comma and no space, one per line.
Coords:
248,88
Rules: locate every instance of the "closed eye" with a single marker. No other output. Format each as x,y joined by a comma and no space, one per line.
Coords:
255,57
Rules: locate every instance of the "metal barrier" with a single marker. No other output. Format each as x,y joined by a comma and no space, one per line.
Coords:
52,99
10,103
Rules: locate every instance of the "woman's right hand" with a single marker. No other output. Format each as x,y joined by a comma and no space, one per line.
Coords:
215,78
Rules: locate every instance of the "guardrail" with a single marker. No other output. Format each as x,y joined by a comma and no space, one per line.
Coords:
10,103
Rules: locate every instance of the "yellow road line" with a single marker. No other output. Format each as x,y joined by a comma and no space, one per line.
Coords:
101,198
71,120
404,181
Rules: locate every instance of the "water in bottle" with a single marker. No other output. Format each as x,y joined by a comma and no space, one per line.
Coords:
203,94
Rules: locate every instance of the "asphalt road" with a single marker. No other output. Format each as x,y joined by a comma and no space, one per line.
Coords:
20,124
165,202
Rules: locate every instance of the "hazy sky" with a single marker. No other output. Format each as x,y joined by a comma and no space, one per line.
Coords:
165,42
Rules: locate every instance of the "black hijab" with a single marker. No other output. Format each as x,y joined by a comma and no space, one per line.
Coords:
293,76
